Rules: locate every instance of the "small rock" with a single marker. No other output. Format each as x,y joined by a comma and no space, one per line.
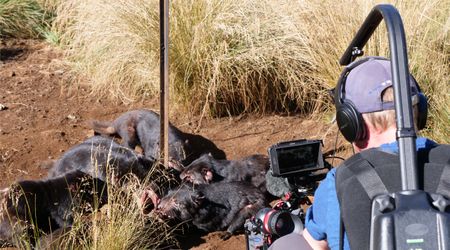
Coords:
59,72
13,73
3,107
71,117
46,164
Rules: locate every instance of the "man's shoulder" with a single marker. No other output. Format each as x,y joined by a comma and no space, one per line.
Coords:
432,160
387,154
374,156
366,165
328,183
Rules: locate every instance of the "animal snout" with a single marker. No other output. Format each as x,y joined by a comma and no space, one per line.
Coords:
160,212
174,164
149,200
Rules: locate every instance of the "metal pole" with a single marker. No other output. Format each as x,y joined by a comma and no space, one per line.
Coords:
164,80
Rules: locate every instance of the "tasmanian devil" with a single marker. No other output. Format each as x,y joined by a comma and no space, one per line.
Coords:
102,157
33,206
206,169
159,183
213,207
142,127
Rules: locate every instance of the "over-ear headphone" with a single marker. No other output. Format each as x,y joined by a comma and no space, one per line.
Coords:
350,121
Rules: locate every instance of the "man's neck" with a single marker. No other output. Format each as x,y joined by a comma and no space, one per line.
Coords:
382,137
376,138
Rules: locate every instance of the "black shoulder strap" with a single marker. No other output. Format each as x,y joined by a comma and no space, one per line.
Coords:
441,155
341,233
366,175
444,183
362,168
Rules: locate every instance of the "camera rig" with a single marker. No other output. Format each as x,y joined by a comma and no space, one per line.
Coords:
301,164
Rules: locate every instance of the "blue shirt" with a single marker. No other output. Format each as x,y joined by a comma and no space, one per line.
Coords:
323,217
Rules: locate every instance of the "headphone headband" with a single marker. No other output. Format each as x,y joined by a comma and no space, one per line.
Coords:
349,119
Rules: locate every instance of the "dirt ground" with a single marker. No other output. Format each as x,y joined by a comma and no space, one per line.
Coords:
41,117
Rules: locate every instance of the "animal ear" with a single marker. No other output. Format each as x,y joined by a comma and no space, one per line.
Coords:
205,170
198,197
131,129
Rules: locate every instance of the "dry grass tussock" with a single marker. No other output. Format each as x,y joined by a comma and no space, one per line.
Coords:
427,26
225,56
229,56
119,224
27,18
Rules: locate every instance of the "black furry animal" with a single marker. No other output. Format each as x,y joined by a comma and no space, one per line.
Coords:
213,207
33,206
142,127
206,169
100,157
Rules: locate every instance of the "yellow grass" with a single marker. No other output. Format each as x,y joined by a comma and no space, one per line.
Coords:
230,56
25,18
119,224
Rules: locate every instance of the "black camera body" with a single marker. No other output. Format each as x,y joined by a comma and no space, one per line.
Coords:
301,164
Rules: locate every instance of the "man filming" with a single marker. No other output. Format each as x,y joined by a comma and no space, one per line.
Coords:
365,93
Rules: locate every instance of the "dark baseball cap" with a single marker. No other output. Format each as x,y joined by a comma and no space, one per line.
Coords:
366,82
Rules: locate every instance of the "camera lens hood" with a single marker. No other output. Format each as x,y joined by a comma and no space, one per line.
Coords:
279,222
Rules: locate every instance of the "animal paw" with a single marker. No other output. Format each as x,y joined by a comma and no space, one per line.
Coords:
225,235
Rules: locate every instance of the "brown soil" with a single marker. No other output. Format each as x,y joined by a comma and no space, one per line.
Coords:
41,117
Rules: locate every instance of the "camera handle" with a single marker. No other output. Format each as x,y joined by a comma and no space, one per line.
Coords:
256,241
294,200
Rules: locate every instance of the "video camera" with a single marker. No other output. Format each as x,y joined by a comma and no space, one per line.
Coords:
299,164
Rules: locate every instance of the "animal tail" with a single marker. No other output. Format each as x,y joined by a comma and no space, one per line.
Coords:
105,128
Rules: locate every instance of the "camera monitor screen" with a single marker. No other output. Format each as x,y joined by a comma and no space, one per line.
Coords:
296,157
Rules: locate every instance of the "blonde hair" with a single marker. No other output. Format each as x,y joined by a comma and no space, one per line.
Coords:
382,120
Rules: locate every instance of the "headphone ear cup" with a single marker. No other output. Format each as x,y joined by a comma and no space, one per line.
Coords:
423,111
350,122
